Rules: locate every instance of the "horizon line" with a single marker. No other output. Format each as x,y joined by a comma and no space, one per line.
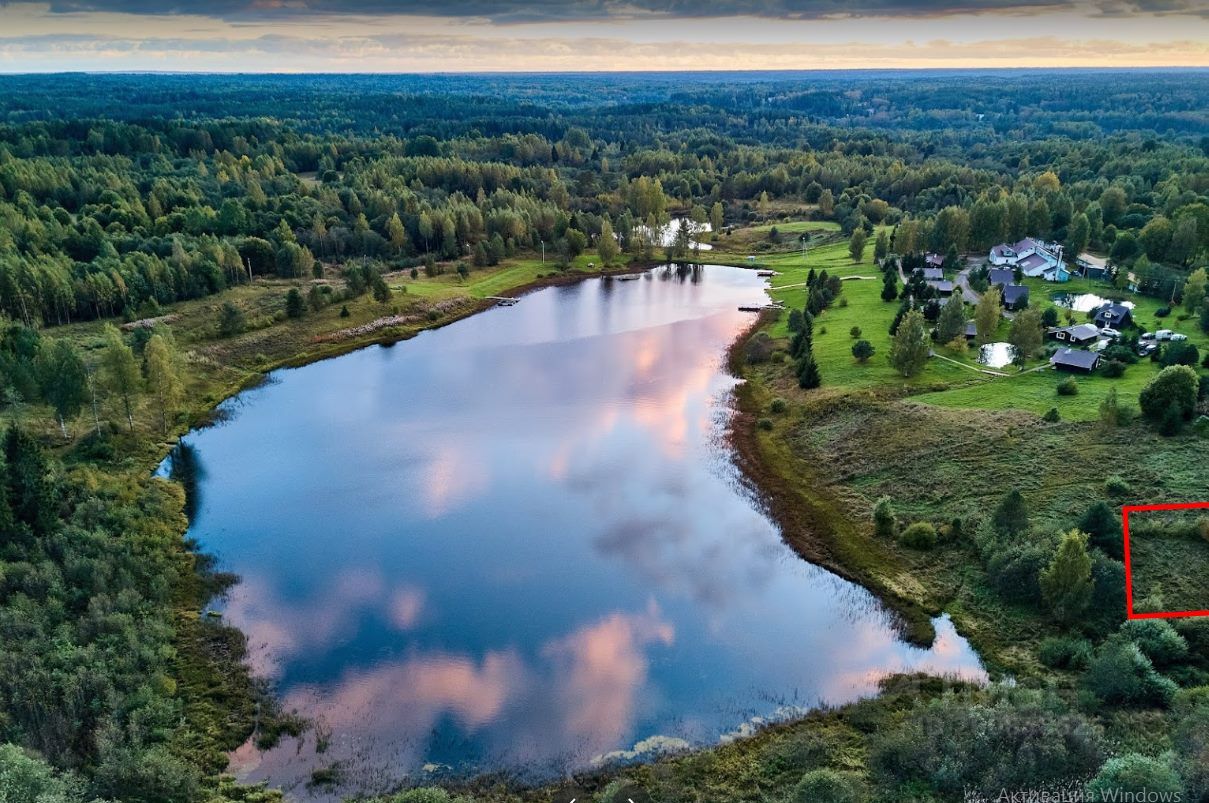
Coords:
652,71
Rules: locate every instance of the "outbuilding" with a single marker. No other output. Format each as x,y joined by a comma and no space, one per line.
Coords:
1075,360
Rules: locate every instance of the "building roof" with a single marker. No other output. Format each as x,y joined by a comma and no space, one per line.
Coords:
1002,250
934,260
933,273
1001,276
1033,262
1082,331
1092,261
942,286
1075,358
1014,293
1113,312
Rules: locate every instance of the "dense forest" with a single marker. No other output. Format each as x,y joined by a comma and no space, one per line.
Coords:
103,216
123,194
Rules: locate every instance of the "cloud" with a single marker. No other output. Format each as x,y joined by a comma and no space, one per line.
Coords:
579,10
420,53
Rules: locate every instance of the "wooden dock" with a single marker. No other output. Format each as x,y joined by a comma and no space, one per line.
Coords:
503,301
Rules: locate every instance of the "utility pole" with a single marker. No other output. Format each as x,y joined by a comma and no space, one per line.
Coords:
543,253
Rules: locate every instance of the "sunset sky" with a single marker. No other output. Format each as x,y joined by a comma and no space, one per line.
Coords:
541,35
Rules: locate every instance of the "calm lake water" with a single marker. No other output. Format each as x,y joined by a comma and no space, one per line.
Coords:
519,544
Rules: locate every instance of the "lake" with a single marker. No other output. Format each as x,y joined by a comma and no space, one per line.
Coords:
519,544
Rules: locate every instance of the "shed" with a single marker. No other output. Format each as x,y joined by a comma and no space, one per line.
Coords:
1075,360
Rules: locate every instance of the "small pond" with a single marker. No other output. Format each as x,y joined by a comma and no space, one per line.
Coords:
996,355
1083,302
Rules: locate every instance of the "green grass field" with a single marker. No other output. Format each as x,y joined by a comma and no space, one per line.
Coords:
1036,392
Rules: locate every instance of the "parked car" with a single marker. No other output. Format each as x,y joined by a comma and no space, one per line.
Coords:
1146,349
1163,335
1177,336
1146,336
1110,333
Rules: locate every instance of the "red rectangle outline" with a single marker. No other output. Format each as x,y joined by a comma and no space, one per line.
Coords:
1125,511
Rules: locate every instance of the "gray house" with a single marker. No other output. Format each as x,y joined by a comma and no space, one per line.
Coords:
1075,360
1081,334
1015,296
1001,277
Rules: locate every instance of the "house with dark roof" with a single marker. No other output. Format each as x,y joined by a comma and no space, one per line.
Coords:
1015,297
934,260
971,330
943,286
1113,315
932,274
1001,277
1075,360
1081,334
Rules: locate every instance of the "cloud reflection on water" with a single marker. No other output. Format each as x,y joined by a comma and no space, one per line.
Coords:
526,548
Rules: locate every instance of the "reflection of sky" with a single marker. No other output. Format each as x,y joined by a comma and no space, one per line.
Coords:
516,542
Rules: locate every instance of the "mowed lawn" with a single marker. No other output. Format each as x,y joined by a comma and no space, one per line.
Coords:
1037,391
860,305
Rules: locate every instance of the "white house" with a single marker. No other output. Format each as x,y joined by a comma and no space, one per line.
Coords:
1033,257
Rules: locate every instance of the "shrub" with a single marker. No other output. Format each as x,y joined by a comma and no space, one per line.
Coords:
1006,739
1052,415
1113,369
1135,777
1014,570
1121,673
1068,387
295,306
1176,384
778,406
231,320
765,424
1063,652
1103,528
344,313
1116,486
1120,353
428,794
884,523
862,350
759,348
1157,640
920,535
1011,515
1172,422
855,332
1162,312
1181,353
829,786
